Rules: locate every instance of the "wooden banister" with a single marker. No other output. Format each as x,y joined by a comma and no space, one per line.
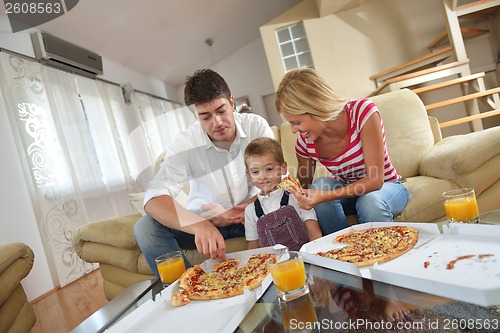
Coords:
462,99
470,118
466,33
427,71
475,6
426,59
425,75
448,83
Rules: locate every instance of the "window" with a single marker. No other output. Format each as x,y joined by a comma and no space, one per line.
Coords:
294,47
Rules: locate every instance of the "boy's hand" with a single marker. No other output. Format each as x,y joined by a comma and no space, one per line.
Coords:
221,217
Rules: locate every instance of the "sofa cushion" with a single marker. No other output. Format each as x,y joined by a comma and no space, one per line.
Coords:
483,177
407,129
428,202
117,279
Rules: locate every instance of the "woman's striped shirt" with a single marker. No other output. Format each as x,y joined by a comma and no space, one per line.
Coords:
350,166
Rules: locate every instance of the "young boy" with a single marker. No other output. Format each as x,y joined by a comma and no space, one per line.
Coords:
266,167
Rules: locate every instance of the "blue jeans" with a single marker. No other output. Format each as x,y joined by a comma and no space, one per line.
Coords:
155,239
377,206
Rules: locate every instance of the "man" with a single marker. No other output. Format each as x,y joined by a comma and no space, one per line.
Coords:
209,154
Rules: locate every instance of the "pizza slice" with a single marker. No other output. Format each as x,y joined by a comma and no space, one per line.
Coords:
180,299
288,183
255,271
227,267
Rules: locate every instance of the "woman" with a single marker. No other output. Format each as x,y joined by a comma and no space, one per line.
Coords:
346,136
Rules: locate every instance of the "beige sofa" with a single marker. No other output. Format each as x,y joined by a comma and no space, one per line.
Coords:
430,165
16,313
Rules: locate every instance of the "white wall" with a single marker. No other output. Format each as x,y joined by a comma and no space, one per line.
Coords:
247,74
18,222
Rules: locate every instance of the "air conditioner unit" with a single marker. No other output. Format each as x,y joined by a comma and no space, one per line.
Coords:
61,53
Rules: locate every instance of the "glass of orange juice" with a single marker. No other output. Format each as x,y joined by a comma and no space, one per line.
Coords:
289,276
461,205
170,267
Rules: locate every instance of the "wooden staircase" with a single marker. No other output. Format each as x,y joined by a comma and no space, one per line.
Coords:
448,65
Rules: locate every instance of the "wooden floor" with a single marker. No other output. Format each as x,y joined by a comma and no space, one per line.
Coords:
65,308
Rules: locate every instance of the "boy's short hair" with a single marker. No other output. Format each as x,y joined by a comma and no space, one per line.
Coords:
263,146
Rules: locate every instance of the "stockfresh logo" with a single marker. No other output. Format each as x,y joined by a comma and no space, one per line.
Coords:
25,14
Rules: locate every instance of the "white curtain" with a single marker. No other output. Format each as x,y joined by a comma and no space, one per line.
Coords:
84,149
161,122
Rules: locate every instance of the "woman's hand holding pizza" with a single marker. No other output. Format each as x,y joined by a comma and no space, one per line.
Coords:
308,199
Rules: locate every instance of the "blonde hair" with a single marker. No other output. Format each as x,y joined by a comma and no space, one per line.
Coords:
263,146
305,91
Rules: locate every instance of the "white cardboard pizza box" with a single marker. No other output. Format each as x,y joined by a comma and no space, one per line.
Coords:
475,280
426,232
475,276
222,315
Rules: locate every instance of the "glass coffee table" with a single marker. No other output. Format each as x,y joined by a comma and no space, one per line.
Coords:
338,302
120,306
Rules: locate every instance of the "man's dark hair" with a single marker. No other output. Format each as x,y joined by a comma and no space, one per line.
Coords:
204,86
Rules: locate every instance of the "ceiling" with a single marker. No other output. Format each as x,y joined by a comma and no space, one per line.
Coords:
165,39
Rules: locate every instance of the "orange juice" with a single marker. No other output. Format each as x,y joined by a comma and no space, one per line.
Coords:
289,275
171,269
298,312
461,209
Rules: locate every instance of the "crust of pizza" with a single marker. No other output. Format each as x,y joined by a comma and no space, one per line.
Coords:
288,183
374,245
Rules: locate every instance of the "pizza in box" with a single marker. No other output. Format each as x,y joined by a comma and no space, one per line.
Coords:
227,280
373,245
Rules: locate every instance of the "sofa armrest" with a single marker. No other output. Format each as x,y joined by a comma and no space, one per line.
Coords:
110,241
115,231
459,155
16,261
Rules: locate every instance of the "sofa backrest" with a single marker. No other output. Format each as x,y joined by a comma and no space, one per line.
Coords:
408,133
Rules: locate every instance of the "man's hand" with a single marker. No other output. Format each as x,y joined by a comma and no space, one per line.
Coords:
221,217
209,241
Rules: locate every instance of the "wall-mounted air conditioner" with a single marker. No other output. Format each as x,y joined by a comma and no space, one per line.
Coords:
61,53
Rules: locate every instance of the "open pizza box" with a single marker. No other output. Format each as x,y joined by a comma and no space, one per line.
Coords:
427,267
221,315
